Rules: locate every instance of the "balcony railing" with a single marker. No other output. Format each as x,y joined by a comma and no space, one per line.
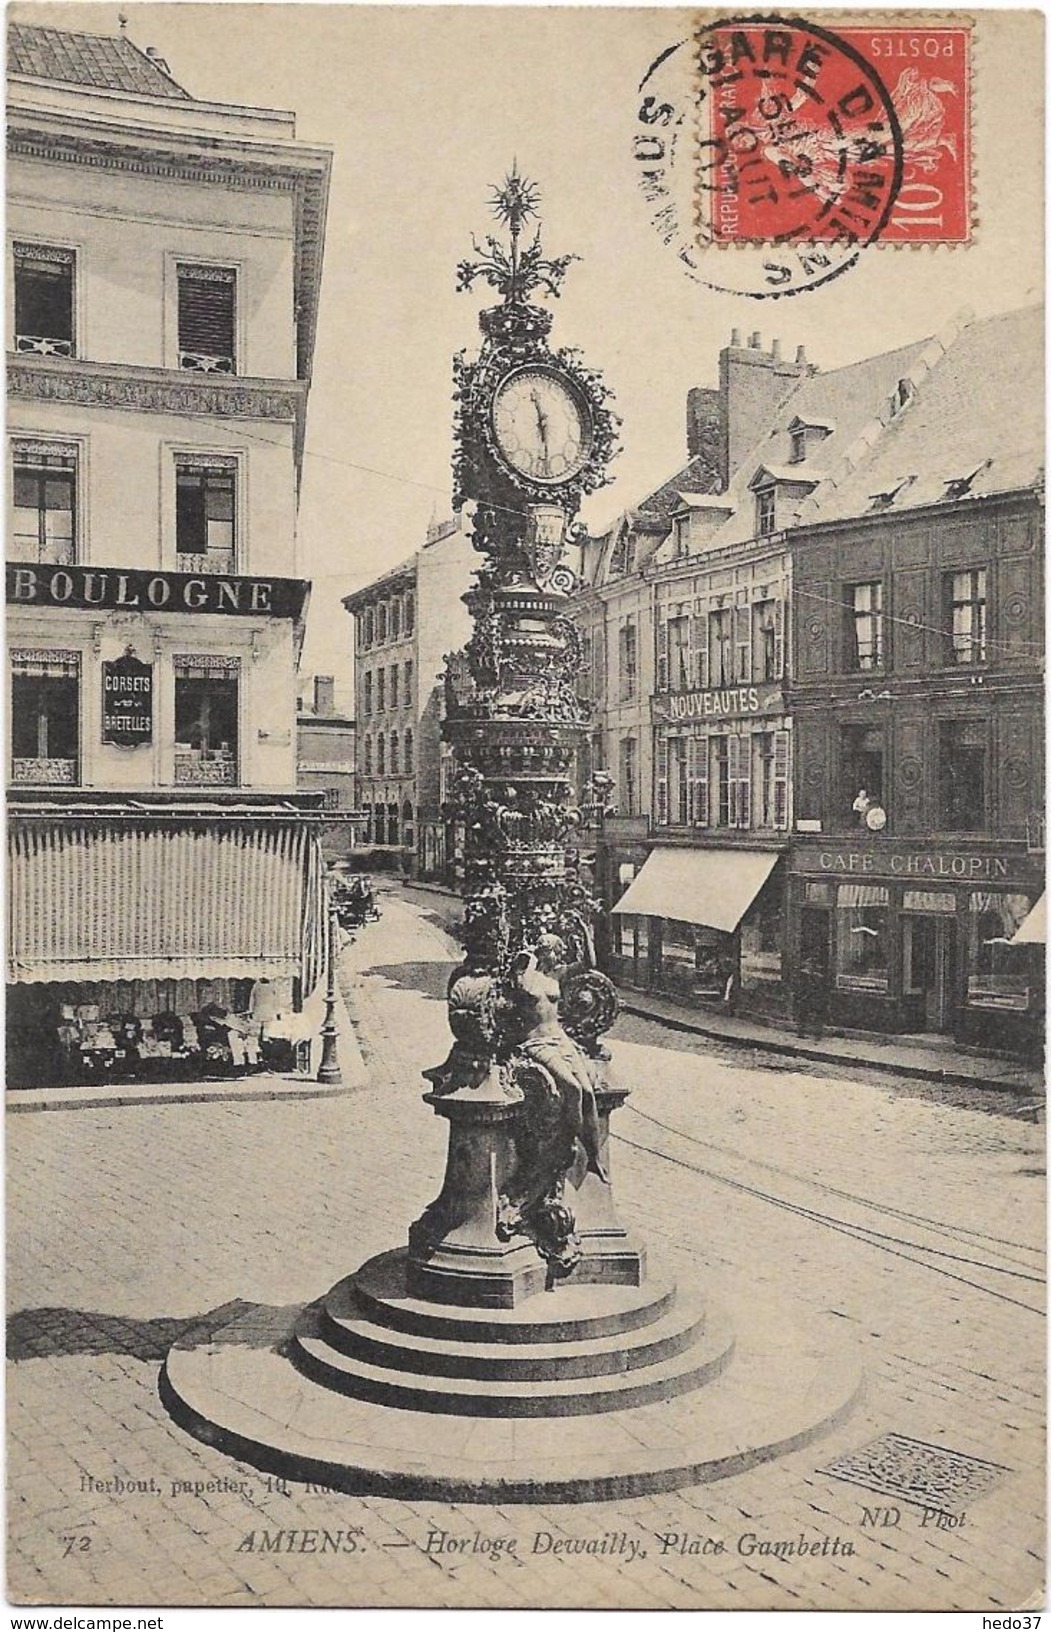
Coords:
205,363
50,771
44,345
215,767
207,561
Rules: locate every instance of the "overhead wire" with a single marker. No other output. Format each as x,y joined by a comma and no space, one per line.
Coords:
838,1225
940,1225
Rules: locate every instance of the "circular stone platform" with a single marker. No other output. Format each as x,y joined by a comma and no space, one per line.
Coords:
580,1393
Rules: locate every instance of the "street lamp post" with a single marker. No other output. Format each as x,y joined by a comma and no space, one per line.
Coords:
328,1070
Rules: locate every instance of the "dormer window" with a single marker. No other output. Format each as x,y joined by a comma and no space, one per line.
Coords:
766,511
806,433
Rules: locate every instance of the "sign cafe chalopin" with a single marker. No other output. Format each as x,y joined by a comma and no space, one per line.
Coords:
729,703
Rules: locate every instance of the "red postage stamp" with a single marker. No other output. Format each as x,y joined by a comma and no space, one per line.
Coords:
843,136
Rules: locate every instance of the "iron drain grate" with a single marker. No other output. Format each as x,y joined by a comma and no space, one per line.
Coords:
929,1475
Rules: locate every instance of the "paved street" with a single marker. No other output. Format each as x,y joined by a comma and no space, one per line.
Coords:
913,1223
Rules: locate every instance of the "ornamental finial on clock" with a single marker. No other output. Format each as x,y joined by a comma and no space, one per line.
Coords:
515,273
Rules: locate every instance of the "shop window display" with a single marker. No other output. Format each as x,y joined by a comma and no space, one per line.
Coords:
861,937
997,972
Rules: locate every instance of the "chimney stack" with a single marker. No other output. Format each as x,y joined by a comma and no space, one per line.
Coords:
801,361
775,351
735,337
324,694
756,342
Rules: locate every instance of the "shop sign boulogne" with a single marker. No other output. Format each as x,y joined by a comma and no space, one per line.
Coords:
111,590
729,703
127,701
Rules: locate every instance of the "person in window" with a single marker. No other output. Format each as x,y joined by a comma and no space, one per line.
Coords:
861,806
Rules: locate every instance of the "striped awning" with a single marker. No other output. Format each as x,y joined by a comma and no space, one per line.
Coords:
94,901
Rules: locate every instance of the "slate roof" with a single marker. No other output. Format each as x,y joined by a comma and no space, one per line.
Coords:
700,475
979,408
102,61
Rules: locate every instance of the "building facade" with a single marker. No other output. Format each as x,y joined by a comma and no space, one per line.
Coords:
405,624
918,703
706,665
325,764
163,285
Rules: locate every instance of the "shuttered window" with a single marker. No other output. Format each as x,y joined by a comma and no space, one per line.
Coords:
782,768
699,774
206,318
699,646
661,781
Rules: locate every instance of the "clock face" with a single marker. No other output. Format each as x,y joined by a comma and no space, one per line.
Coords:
540,425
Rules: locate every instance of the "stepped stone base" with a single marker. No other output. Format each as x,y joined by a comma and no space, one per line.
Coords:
588,1391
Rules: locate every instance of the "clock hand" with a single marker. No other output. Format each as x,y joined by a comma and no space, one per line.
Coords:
541,421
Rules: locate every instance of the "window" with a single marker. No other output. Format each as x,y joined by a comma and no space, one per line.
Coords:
409,754
381,755
965,608
720,781
368,756
798,450
395,763
44,300
861,771
767,640
206,709
865,633
381,691
861,937
721,646
770,764
367,706
699,768
660,779
629,777
679,653
681,781
206,318
410,613
392,824
407,684
45,716
962,775
205,506
766,511
395,619
996,971
381,621
629,660
43,490
369,623
408,825
394,685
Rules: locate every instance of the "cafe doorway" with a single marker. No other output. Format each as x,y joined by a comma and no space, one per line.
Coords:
929,966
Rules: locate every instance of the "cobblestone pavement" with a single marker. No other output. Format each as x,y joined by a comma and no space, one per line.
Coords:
916,1223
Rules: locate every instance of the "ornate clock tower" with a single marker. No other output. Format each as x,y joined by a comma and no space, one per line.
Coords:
526,1088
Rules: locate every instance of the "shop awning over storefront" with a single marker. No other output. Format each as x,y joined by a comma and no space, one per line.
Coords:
710,887
1032,931
92,900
